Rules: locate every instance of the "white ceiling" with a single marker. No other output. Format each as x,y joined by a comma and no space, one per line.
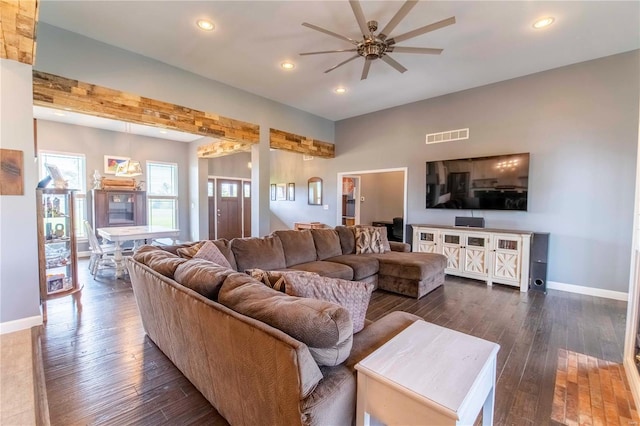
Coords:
491,41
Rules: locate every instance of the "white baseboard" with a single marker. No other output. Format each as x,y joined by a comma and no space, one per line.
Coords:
633,378
21,324
588,291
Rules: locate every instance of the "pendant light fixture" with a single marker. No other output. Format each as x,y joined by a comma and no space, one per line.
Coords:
129,168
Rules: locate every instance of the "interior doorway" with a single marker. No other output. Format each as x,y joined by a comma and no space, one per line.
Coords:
372,197
229,208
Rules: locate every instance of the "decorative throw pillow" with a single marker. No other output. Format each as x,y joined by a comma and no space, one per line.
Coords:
276,279
383,235
209,251
268,278
368,241
354,296
190,251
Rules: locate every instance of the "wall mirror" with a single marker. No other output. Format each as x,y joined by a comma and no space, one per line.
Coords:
315,191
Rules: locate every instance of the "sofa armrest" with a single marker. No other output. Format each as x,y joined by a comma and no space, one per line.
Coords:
398,246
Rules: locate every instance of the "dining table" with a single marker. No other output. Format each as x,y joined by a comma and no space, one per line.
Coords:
138,234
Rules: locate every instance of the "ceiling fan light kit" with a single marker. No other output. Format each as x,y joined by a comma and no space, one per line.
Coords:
378,46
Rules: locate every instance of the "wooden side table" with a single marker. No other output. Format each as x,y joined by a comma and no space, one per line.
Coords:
307,225
428,374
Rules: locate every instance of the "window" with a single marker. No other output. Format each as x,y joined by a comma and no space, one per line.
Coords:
162,194
72,166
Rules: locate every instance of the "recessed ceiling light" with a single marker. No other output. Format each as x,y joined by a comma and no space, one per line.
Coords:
164,132
340,90
59,114
205,25
543,22
287,65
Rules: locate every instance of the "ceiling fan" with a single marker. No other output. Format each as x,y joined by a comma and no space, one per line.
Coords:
373,46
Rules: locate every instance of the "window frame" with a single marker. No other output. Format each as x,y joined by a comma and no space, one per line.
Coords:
81,210
161,197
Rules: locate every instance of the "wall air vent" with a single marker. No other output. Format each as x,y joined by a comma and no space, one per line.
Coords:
448,136
307,157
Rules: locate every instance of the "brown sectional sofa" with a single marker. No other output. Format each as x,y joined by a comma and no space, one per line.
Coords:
331,253
258,355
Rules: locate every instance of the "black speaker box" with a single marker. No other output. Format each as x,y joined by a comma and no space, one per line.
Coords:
538,276
539,247
473,222
538,265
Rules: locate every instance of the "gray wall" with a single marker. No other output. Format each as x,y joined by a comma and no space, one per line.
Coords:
288,167
96,143
383,196
580,124
234,165
19,288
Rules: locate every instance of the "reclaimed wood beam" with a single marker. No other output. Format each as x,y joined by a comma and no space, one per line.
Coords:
18,21
62,93
223,147
279,139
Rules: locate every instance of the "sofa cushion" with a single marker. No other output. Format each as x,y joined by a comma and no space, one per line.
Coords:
326,269
298,246
209,251
413,266
263,253
362,266
368,241
202,276
327,243
159,260
347,236
354,296
325,327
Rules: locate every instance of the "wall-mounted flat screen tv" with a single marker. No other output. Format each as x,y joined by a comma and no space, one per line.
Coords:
498,182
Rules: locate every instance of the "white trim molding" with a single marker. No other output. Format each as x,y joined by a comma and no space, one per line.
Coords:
588,291
20,324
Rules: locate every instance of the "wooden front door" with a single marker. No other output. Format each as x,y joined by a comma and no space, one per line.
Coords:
229,208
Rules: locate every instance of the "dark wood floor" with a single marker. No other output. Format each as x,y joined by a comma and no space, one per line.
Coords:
100,368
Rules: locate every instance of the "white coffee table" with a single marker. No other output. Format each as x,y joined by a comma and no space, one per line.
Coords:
428,375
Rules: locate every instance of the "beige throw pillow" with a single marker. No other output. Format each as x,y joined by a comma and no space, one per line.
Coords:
209,251
354,296
368,240
190,251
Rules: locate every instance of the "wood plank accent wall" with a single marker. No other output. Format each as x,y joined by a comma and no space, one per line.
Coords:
62,93
18,20
279,139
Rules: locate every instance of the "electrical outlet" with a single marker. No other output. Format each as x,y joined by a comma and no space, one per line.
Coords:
326,207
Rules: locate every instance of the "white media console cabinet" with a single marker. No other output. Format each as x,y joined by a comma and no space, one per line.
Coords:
492,255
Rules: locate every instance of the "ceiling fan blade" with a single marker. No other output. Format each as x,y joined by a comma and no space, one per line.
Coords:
399,16
427,50
342,63
327,51
389,60
365,69
357,10
423,30
331,33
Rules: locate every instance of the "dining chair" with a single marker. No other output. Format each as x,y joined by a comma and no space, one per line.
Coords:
101,254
